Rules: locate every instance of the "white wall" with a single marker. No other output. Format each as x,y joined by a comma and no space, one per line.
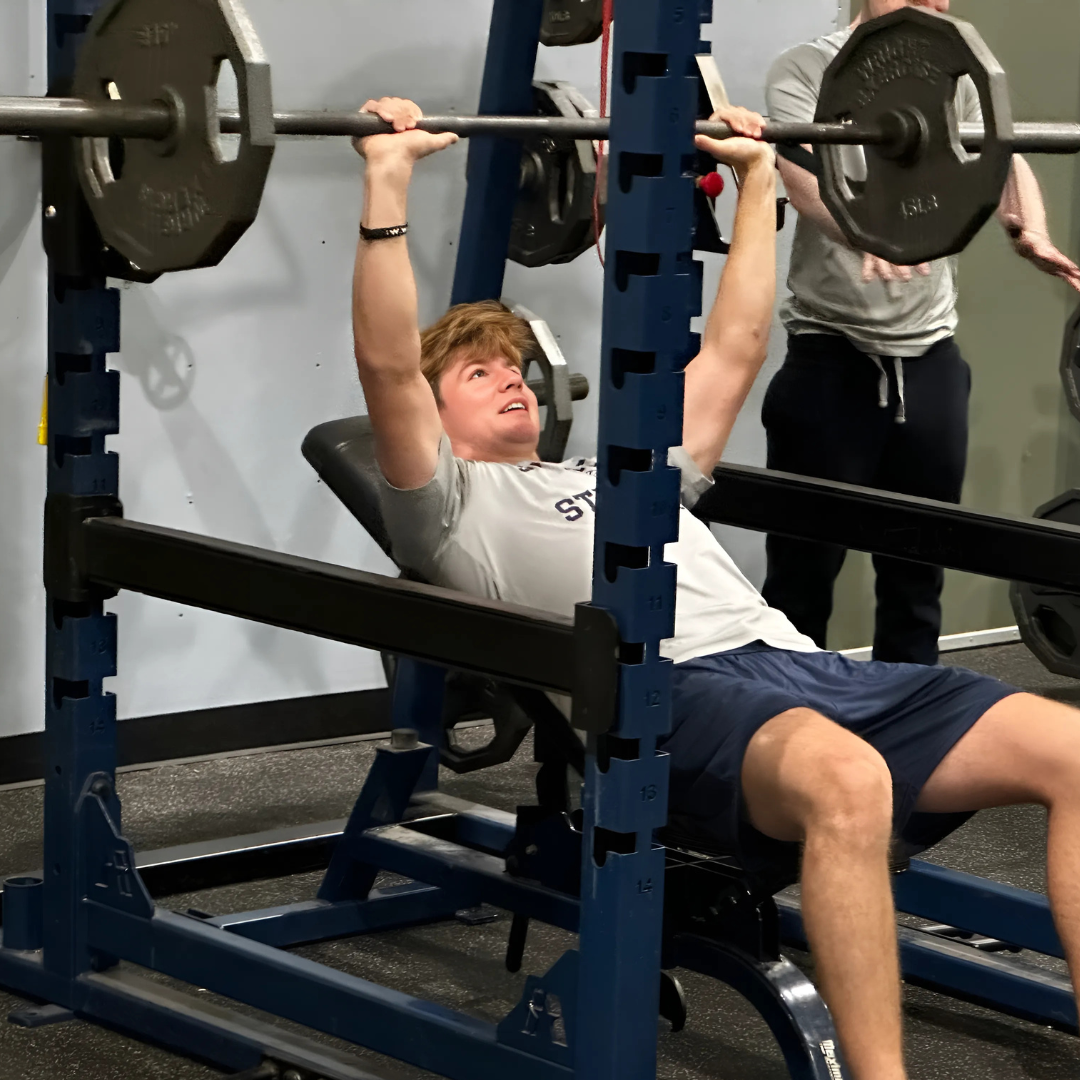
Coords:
226,369
22,375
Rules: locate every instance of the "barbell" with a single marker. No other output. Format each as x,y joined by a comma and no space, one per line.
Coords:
167,197
96,119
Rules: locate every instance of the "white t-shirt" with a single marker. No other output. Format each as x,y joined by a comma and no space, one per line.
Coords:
524,534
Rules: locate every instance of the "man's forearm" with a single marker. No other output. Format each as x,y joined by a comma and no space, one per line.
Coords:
385,311
1023,214
744,301
1022,208
736,336
805,195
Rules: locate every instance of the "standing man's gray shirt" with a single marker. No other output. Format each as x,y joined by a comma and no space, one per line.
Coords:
828,294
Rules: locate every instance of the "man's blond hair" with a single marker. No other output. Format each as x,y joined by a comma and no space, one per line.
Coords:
478,331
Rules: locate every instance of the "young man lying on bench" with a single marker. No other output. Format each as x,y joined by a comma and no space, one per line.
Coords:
775,744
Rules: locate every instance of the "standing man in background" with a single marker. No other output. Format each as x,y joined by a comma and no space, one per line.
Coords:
874,390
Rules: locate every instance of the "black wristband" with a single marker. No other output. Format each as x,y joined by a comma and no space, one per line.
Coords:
391,233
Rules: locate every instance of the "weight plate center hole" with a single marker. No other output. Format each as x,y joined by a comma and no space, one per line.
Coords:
109,153
227,99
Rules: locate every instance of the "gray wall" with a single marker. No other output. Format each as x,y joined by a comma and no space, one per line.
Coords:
22,373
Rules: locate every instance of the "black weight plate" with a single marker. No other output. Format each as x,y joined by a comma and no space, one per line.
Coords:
175,204
930,202
1070,363
1049,619
571,22
469,697
553,217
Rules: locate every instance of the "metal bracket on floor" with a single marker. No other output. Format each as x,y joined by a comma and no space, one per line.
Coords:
542,1023
36,1016
112,877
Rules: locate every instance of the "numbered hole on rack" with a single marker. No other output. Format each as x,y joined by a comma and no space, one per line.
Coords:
226,147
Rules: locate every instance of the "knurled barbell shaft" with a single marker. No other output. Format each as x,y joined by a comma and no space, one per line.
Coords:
72,116
1035,138
579,389
359,124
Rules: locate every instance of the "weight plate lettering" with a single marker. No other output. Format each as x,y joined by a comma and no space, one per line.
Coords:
571,22
179,203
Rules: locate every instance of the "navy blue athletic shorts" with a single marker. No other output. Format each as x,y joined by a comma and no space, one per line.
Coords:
912,715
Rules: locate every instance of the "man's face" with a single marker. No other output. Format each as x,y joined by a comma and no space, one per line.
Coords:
487,410
874,8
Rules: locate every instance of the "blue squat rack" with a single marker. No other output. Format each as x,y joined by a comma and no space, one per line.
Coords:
74,933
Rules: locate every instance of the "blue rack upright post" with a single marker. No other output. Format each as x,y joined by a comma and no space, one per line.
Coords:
652,289
84,408
494,167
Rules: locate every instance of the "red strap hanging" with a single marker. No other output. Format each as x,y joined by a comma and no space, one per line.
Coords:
605,53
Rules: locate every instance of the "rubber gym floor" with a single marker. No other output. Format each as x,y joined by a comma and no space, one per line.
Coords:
462,966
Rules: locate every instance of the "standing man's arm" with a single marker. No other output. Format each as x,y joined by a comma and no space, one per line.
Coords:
805,195
736,336
402,407
1023,215
793,84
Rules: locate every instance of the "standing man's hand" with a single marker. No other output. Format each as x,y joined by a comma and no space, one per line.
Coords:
406,142
1039,250
874,269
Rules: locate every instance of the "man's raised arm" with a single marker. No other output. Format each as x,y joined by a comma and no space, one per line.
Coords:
736,336
402,407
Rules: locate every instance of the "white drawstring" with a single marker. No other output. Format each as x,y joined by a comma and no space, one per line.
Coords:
901,412
883,383
883,386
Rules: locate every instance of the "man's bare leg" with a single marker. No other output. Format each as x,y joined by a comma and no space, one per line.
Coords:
806,778
1024,750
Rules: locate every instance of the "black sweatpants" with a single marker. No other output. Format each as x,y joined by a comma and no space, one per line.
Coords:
823,418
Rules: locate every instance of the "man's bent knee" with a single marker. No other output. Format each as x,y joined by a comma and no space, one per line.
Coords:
805,775
853,800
